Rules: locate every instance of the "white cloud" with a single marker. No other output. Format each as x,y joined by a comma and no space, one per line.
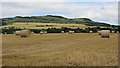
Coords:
60,0
32,0
106,12
0,10
92,0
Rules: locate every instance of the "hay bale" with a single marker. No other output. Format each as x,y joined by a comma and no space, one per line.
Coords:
25,33
117,31
91,31
45,32
32,33
113,31
62,32
17,32
71,32
41,32
99,32
105,33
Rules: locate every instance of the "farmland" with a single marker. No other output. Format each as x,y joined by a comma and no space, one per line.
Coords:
34,25
78,49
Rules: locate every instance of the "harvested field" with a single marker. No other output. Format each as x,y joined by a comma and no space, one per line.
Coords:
33,25
83,49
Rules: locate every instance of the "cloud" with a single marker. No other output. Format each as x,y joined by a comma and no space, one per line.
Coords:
97,11
92,0
106,13
60,0
0,10
32,0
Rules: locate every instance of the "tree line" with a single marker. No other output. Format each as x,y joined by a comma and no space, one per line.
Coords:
57,30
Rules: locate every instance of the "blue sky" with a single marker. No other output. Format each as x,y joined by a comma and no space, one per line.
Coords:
104,11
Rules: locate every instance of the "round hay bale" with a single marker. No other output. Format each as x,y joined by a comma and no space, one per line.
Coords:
117,31
25,33
71,32
45,32
62,32
105,33
41,32
99,32
32,33
18,32
113,31
91,31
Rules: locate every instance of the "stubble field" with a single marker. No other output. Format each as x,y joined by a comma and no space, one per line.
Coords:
82,49
54,25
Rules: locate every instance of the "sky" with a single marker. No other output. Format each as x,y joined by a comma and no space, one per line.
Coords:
60,0
101,11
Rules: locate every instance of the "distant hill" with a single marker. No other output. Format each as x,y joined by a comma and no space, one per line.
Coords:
52,19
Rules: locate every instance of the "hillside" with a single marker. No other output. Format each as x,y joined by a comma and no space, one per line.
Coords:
53,19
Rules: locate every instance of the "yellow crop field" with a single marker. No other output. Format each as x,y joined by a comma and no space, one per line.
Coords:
78,49
34,24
